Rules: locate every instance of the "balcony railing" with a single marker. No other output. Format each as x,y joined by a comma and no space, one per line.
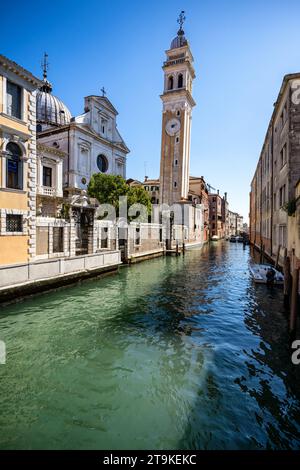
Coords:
47,191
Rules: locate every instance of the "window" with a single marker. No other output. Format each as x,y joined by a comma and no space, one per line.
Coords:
176,162
14,167
282,196
13,97
180,80
58,239
102,163
177,140
104,237
178,113
283,155
47,176
103,126
170,83
282,235
137,237
175,184
147,188
14,223
39,128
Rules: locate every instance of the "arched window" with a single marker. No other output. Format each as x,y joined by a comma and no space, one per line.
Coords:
39,128
14,166
170,82
102,163
180,80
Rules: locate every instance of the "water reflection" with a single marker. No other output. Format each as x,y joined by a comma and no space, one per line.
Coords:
173,353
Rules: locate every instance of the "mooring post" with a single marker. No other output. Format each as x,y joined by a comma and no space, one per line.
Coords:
177,248
183,248
286,281
277,257
261,252
294,304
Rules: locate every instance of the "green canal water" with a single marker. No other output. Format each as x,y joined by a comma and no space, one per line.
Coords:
173,353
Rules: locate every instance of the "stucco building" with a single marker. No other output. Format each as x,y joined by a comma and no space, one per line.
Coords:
216,216
272,196
17,163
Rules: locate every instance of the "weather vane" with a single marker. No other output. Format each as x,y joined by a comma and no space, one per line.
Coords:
181,19
45,65
103,91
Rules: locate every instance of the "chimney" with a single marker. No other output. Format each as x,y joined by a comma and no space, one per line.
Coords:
225,196
218,192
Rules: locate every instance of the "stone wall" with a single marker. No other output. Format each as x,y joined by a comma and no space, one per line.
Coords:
47,269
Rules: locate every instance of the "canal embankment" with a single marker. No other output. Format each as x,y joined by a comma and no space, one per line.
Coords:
20,280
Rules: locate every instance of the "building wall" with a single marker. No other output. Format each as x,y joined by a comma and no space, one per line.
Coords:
276,175
18,247
216,221
294,232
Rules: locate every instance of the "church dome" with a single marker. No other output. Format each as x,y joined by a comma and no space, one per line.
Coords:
179,41
50,109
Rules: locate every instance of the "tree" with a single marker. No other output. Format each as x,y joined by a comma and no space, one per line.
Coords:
138,195
107,189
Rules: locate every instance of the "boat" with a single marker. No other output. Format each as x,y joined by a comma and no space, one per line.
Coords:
259,274
215,238
232,239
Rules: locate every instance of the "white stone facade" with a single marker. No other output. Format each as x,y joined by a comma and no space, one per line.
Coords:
90,136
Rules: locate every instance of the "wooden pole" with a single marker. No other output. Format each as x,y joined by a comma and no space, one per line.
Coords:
294,303
177,248
277,257
261,252
287,280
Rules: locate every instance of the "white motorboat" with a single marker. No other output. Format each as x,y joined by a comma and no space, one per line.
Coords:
259,273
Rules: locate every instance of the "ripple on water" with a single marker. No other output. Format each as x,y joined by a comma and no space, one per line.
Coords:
172,353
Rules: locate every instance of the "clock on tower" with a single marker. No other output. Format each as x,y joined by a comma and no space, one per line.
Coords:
176,120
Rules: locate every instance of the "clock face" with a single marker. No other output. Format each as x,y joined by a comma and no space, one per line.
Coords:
173,126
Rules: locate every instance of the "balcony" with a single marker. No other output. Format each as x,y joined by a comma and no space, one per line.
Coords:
47,191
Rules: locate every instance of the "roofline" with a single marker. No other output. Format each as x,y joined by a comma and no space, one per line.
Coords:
18,70
104,97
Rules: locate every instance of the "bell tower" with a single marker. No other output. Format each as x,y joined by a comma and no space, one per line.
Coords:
176,119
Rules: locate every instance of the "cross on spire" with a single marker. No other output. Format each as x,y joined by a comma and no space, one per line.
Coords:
45,65
103,91
181,19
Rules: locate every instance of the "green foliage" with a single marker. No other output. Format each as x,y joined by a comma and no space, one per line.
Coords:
65,211
290,207
107,189
138,195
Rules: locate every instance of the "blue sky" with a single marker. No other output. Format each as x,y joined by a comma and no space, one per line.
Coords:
242,50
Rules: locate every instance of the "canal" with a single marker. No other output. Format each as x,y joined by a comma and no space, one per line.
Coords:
173,353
